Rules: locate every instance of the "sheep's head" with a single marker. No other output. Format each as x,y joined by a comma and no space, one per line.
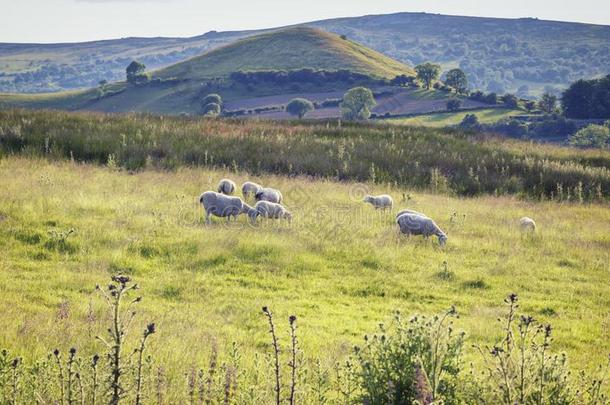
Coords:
442,239
288,216
367,198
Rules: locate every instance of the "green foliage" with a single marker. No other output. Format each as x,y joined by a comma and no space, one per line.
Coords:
454,104
596,136
456,78
416,360
135,72
548,103
212,98
212,109
357,104
510,100
470,121
587,99
428,73
404,156
299,107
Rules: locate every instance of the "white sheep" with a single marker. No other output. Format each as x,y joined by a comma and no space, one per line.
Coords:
527,224
221,205
413,224
383,201
249,189
226,186
269,194
409,212
268,209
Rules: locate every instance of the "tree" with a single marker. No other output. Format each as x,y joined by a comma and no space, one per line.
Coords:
403,80
454,104
548,103
530,105
299,106
456,78
597,136
510,100
428,73
212,98
357,104
212,109
135,72
470,121
587,99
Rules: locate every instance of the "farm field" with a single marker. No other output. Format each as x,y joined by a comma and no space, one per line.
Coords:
444,119
340,267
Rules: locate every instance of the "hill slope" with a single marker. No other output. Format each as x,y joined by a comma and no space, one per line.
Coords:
289,49
180,87
496,53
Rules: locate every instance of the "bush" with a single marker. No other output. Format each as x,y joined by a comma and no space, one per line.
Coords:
134,71
212,109
299,107
597,136
470,121
510,101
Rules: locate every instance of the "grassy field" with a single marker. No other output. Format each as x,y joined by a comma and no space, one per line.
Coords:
445,119
340,266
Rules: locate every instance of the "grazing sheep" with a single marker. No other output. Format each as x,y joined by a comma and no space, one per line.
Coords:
409,212
226,186
269,194
413,224
250,189
527,224
268,209
383,201
221,205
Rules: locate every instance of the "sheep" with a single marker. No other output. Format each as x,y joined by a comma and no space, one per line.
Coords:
268,209
250,189
269,194
527,224
383,201
413,224
221,205
226,186
409,212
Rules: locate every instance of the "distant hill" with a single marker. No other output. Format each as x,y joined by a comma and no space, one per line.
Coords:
181,87
290,49
519,55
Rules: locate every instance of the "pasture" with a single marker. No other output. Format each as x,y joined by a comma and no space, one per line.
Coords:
445,119
340,267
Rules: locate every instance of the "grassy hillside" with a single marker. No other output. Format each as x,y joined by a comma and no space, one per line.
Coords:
495,53
289,49
339,267
180,87
445,119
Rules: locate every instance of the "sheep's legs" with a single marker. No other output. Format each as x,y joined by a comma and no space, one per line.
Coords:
207,218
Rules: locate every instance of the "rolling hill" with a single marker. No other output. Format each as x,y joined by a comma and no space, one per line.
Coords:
180,87
524,55
290,49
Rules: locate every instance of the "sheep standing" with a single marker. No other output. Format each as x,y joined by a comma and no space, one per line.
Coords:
268,209
249,189
527,224
269,194
410,212
383,201
226,186
221,205
413,224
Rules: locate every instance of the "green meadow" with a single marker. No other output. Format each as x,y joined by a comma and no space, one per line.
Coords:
445,119
340,267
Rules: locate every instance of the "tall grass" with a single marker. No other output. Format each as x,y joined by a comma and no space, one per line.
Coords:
424,158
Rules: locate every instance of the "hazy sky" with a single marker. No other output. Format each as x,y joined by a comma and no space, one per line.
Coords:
81,20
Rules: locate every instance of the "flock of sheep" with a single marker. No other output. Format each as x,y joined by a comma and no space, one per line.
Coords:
221,203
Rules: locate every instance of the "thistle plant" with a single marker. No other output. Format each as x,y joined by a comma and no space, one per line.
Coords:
276,355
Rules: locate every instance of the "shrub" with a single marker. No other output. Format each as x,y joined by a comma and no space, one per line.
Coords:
417,360
470,121
212,109
597,136
299,107
135,72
